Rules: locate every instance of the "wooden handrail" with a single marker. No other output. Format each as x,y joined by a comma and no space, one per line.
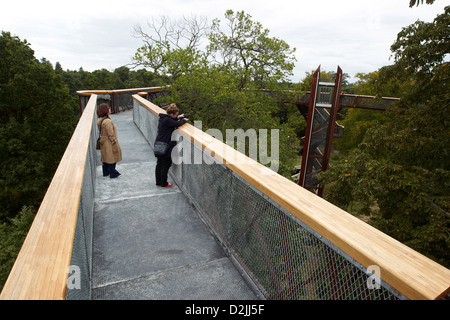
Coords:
41,268
409,272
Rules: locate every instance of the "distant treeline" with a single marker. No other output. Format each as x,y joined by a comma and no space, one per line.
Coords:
120,78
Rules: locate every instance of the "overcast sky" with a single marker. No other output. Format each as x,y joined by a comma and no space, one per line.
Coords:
96,34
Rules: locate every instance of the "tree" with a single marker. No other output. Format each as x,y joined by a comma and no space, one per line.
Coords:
399,175
124,74
143,78
103,80
226,94
357,121
172,48
12,235
247,49
36,122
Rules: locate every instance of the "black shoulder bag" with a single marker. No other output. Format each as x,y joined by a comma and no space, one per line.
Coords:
160,148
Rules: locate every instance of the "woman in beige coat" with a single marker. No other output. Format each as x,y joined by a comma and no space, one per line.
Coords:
109,144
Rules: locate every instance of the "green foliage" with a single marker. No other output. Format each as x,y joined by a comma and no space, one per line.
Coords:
213,97
246,49
421,47
399,174
120,78
382,83
356,123
12,235
417,2
36,122
167,62
329,76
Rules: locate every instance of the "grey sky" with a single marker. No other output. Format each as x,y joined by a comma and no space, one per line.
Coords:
96,34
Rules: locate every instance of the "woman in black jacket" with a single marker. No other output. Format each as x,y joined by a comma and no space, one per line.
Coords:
166,126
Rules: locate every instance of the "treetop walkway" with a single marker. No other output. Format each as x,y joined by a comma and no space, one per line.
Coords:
226,230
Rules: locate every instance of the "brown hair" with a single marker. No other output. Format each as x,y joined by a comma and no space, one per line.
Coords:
172,109
103,110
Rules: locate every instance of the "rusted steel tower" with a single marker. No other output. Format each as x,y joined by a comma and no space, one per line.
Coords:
319,108
320,129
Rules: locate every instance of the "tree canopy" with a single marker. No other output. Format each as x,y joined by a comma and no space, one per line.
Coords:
37,119
399,174
246,49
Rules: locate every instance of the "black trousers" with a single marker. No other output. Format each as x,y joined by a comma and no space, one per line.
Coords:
162,170
110,170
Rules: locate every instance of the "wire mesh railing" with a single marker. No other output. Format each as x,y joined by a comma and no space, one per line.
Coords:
281,256
80,288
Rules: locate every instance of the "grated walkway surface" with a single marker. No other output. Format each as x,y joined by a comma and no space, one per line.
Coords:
149,243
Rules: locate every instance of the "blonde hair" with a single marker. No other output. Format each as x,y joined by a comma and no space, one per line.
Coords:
172,109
